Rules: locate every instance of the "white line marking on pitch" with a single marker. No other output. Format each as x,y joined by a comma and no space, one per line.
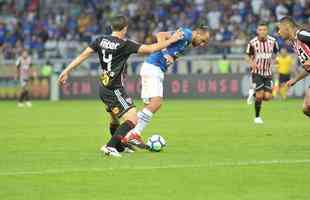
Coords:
210,165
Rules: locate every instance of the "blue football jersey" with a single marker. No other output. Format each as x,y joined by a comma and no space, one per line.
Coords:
174,50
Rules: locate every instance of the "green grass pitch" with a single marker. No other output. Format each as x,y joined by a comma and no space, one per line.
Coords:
214,152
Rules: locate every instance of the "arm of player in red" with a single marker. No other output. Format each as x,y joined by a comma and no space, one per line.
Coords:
300,76
146,49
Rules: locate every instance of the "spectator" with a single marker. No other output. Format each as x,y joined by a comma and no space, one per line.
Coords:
223,65
47,69
281,11
75,21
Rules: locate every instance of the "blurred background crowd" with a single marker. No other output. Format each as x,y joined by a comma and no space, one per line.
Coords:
61,28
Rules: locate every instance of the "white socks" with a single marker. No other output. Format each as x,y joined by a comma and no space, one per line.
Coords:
251,92
145,117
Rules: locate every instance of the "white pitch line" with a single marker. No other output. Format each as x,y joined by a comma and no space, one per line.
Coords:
207,165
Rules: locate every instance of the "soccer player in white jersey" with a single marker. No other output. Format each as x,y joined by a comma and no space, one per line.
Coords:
24,72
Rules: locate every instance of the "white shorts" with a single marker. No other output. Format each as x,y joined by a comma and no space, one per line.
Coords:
152,82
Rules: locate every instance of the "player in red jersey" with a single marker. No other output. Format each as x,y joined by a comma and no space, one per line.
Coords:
299,39
261,50
24,72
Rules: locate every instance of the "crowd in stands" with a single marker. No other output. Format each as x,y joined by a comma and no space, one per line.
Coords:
62,28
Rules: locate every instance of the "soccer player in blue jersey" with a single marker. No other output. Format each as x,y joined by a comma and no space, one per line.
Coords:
153,69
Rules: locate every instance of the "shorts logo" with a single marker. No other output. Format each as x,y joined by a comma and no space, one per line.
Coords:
129,100
115,110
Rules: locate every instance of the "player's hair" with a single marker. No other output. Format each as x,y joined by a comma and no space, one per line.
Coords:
263,23
288,20
118,23
201,27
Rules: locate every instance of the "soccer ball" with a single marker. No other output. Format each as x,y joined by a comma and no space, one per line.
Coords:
156,143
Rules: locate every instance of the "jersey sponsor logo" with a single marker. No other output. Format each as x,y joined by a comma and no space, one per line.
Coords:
106,44
263,55
105,79
115,110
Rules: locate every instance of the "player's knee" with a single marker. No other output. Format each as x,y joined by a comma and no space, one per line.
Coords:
133,120
267,96
131,116
155,104
259,97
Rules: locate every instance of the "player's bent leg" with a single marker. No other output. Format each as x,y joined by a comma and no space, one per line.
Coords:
154,104
130,120
21,98
259,95
251,96
27,94
131,115
23,94
306,105
151,93
145,116
132,135
114,123
267,96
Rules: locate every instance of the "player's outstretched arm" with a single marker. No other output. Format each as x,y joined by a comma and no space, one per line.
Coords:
162,36
74,64
146,49
299,77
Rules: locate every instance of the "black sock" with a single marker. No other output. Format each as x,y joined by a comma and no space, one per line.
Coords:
113,128
258,105
120,132
22,96
27,95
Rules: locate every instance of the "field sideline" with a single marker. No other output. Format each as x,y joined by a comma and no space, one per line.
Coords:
214,151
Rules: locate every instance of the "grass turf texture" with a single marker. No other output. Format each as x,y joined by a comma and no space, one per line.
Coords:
214,152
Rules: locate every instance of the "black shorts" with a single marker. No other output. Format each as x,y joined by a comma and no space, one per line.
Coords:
262,83
283,78
117,100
